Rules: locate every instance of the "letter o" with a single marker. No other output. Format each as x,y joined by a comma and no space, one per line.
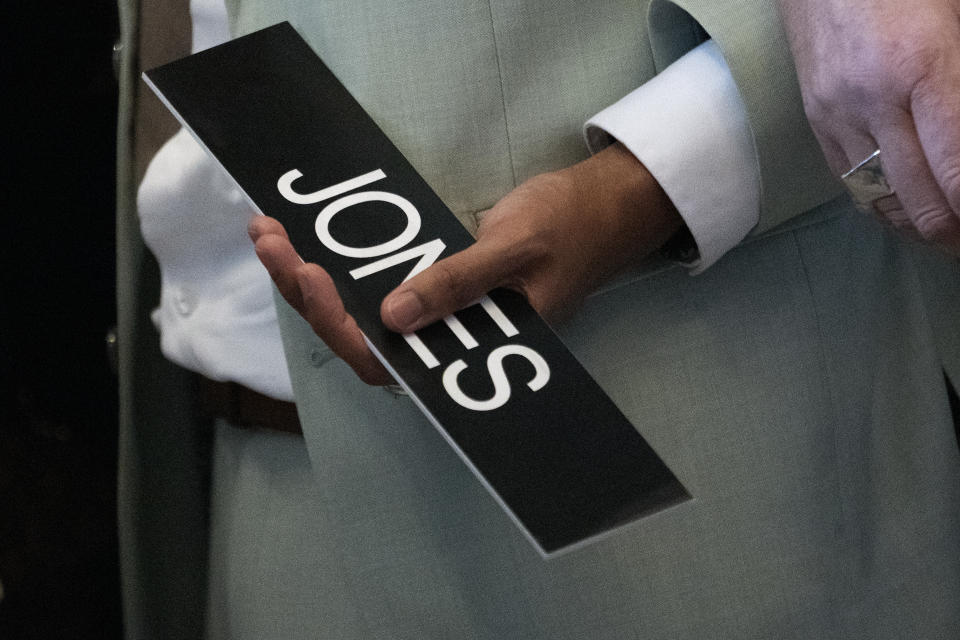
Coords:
409,233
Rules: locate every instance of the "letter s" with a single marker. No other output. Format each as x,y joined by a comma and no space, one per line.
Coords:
501,385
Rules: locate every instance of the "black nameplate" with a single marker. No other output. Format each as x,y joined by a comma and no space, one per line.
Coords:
533,425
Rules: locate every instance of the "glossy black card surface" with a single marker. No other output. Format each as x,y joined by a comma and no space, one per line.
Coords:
526,417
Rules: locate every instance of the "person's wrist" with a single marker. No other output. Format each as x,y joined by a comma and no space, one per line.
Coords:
635,210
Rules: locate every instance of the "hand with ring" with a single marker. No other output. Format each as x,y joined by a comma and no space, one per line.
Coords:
881,87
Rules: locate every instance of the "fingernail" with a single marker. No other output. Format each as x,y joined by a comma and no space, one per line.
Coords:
405,309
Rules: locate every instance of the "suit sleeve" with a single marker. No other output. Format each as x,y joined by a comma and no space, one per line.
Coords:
794,177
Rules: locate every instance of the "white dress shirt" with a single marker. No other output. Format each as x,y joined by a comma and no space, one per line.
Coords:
216,314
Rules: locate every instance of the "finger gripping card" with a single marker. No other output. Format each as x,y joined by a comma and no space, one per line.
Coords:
494,379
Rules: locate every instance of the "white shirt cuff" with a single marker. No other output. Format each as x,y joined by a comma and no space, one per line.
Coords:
688,126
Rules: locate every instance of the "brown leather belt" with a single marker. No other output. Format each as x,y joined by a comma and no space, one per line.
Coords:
243,407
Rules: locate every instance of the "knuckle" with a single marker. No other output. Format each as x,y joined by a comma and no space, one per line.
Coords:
917,69
896,70
936,224
530,247
533,236
950,181
821,93
320,322
815,107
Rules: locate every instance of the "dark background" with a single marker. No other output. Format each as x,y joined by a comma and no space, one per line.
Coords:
58,425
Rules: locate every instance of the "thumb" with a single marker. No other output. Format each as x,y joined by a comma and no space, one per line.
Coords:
447,286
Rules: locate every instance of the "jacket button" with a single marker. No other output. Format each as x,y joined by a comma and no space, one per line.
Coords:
113,349
184,302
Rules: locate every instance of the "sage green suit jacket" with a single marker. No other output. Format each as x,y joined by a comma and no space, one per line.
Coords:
796,388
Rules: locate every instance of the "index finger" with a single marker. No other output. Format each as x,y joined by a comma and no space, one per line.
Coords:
278,256
449,285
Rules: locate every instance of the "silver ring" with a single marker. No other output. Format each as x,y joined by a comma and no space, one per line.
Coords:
869,188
